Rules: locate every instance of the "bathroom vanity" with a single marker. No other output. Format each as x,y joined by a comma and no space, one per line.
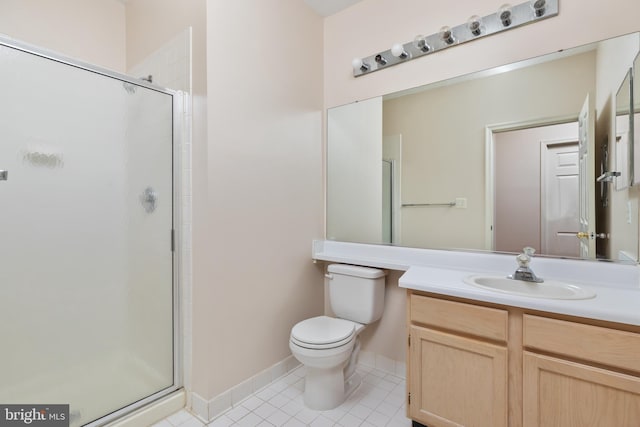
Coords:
473,362
479,357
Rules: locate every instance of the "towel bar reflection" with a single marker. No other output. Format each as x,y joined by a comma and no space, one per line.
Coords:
412,205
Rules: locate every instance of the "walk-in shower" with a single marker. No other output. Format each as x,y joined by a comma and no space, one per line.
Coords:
88,300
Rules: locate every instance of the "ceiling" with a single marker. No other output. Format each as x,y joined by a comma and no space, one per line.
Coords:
329,7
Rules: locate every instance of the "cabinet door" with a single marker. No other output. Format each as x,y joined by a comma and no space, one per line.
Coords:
567,394
456,381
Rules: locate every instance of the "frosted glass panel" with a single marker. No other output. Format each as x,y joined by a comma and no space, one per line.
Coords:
86,267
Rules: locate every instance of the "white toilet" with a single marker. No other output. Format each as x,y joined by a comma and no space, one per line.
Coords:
328,347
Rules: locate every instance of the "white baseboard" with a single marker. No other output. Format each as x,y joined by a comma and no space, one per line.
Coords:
383,363
208,410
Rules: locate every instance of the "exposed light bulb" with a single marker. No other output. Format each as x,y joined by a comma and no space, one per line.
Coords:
539,7
504,14
447,35
381,59
359,65
474,24
420,42
398,51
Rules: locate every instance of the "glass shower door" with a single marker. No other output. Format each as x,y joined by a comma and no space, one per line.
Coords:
86,260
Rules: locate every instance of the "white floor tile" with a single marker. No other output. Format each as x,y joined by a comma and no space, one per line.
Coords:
192,422
179,417
249,420
307,415
222,421
237,413
279,400
252,402
278,418
293,422
387,409
350,420
291,392
292,408
361,411
322,421
378,419
378,402
265,394
335,414
265,410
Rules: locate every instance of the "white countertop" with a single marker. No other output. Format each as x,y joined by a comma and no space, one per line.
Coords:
615,304
617,285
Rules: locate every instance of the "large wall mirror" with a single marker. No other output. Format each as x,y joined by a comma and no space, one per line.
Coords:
496,160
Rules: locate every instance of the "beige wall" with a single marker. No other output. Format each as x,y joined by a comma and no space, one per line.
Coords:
264,185
380,23
90,31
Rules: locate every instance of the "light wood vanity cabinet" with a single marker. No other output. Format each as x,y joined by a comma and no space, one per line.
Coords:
458,363
477,364
579,375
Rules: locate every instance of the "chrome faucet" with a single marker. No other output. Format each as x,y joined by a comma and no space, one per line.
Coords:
524,272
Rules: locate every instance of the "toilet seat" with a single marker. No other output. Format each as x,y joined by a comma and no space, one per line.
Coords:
323,332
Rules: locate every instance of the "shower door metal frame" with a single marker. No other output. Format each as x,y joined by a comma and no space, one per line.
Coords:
179,106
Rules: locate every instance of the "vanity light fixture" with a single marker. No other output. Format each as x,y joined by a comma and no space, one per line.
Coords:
504,14
505,18
539,7
398,51
474,24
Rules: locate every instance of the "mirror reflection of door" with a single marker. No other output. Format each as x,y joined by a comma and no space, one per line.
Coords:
391,188
537,189
559,197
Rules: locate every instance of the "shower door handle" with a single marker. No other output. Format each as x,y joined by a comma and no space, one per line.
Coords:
4,175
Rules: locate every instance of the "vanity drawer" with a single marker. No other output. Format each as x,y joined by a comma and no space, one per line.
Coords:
616,348
485,322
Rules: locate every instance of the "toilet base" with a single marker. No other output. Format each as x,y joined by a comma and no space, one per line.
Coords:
352,385
326,389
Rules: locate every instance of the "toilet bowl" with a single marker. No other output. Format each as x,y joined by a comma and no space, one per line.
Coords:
328,346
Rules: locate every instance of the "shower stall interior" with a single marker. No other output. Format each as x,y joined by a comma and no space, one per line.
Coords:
88,296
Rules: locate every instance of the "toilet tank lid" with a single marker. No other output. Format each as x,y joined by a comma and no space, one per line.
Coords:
355,270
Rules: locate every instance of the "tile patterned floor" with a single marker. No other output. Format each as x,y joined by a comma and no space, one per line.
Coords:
378,402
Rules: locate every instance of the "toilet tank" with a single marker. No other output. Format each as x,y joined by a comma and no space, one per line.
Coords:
356,293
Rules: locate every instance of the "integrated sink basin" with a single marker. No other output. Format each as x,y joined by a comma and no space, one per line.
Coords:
549,289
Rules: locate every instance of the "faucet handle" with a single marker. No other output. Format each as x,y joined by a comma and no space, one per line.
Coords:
525,257
523,260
